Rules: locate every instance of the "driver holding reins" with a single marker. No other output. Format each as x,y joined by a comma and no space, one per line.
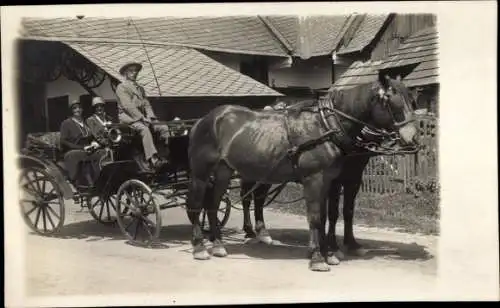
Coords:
135,110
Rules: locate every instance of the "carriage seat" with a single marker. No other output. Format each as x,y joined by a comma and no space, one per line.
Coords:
48,143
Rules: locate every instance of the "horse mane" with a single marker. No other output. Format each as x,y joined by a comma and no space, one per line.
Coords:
306,105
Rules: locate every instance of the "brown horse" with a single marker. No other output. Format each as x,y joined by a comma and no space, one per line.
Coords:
306,145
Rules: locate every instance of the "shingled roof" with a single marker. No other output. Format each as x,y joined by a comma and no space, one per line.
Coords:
180,71
245,35
310,36
420,48
368,27
358,73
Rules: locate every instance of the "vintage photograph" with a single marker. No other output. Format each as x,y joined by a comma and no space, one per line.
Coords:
229,154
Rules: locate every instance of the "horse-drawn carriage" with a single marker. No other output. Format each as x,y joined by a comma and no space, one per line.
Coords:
124,185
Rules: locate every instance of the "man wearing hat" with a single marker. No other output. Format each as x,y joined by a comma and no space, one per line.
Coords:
99,121
135,110
79,146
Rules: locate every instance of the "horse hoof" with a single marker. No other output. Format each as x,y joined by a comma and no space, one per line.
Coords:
253,240
266,239
332,260
201,255
339,254
318,266
250,235
219,251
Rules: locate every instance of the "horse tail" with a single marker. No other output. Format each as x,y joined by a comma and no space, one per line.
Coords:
203,151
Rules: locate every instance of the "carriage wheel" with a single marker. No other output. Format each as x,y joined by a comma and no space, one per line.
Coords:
222,214
41,201
139,217
103,209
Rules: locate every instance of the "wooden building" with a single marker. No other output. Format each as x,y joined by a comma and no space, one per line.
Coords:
66,59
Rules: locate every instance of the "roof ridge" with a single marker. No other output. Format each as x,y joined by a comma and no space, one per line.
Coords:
276,34
146,42
270,48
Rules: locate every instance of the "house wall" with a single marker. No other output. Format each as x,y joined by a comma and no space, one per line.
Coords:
398,28
30,111
315,73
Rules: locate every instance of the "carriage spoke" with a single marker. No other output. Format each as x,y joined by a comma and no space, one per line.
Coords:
44,213
50,220
52,191
33,188
41,191
146,219
112,203
31,211
108,210
54,212
129,197
37,216
30,191
38,184
43,186
31,203
128,226
136,229
95,203
102,208
146,227
29,181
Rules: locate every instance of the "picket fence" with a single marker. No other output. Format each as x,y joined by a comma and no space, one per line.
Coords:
394,174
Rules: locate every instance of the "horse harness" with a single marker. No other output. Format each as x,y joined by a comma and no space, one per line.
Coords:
349,146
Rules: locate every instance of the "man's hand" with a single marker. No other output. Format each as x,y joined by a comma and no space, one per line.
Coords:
94,144
87,148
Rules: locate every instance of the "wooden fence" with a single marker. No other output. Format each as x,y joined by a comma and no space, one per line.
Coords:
394,174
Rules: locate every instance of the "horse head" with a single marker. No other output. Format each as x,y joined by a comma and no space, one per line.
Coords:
385,107
392,109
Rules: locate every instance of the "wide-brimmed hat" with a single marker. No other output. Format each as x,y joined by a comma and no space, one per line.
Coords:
127,65
73,102
97,101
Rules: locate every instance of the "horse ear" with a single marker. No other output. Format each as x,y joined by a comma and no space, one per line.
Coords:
383,79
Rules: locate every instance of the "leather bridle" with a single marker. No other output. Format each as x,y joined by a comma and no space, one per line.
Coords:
327,109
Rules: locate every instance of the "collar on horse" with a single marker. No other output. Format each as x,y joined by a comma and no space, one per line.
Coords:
351,146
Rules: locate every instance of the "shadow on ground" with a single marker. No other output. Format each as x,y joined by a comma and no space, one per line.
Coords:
288,243
292,244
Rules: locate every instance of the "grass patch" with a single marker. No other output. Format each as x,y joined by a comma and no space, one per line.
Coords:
405,212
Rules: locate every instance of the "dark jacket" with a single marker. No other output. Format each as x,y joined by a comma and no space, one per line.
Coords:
97,129
74,137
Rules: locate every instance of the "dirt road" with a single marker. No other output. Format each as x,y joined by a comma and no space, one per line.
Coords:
91,259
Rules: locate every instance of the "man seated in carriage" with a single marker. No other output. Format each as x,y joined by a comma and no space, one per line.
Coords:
99,121
135,110
79,147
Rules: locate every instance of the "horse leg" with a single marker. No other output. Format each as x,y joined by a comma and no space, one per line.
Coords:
260,226
314,194
334,253
247,221
352,184
222,178
194,205
351,189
